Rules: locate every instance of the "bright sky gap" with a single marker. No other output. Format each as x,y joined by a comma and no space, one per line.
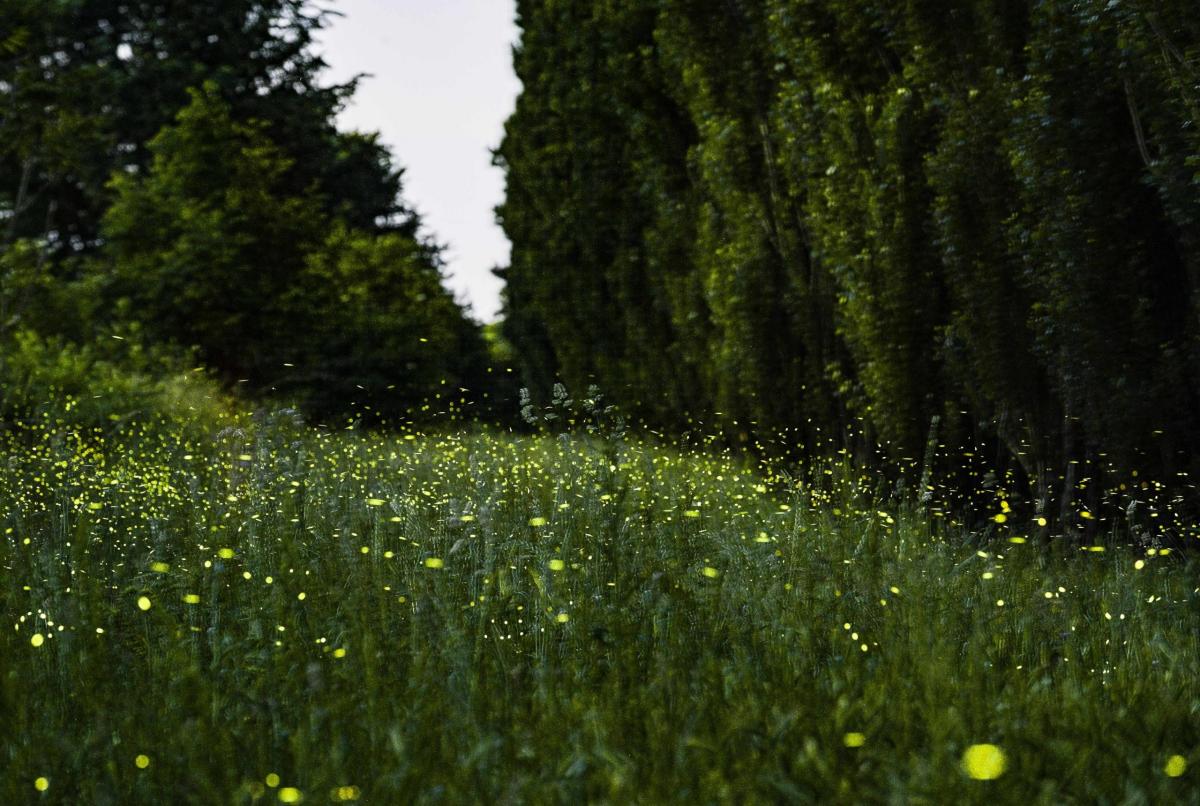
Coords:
440,87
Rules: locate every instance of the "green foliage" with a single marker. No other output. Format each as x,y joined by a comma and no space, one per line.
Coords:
477,618
207,249
566,415
595,159
206,242
881,217
377,319
177,167
116,72
103,386
23,284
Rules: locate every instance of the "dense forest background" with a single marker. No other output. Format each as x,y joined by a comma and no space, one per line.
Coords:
849,223
968,225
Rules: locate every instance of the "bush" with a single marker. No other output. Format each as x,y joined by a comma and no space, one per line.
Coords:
98,386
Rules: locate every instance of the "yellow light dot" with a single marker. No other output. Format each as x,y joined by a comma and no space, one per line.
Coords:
1140,564
710,572
191,598
434,562
226,554
854,740
160,568
365,549
142,761
272,780
999,517
41,784
537,521
340,652
983,762
562,618
302,596
37,639
557,565
1176,766
245,457
1041,521
143,603
375,502
290,794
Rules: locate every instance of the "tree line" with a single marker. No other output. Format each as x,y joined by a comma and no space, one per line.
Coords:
975,224
174,170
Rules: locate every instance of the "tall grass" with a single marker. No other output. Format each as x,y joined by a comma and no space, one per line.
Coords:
271,613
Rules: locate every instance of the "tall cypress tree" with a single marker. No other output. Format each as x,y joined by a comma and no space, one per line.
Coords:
982,217
594,156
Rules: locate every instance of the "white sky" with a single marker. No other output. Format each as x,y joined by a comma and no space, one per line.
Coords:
441,87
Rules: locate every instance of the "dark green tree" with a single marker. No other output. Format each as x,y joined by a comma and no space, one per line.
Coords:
208,249
599,289
974,223
86,84
204,244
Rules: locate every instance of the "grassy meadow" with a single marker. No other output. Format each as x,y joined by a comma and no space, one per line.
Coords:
269,612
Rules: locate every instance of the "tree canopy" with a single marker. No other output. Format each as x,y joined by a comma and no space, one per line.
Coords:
976,225
179,166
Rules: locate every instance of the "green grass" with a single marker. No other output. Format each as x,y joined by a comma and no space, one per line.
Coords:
502,619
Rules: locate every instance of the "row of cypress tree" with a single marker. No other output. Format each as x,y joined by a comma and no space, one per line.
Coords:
977,222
